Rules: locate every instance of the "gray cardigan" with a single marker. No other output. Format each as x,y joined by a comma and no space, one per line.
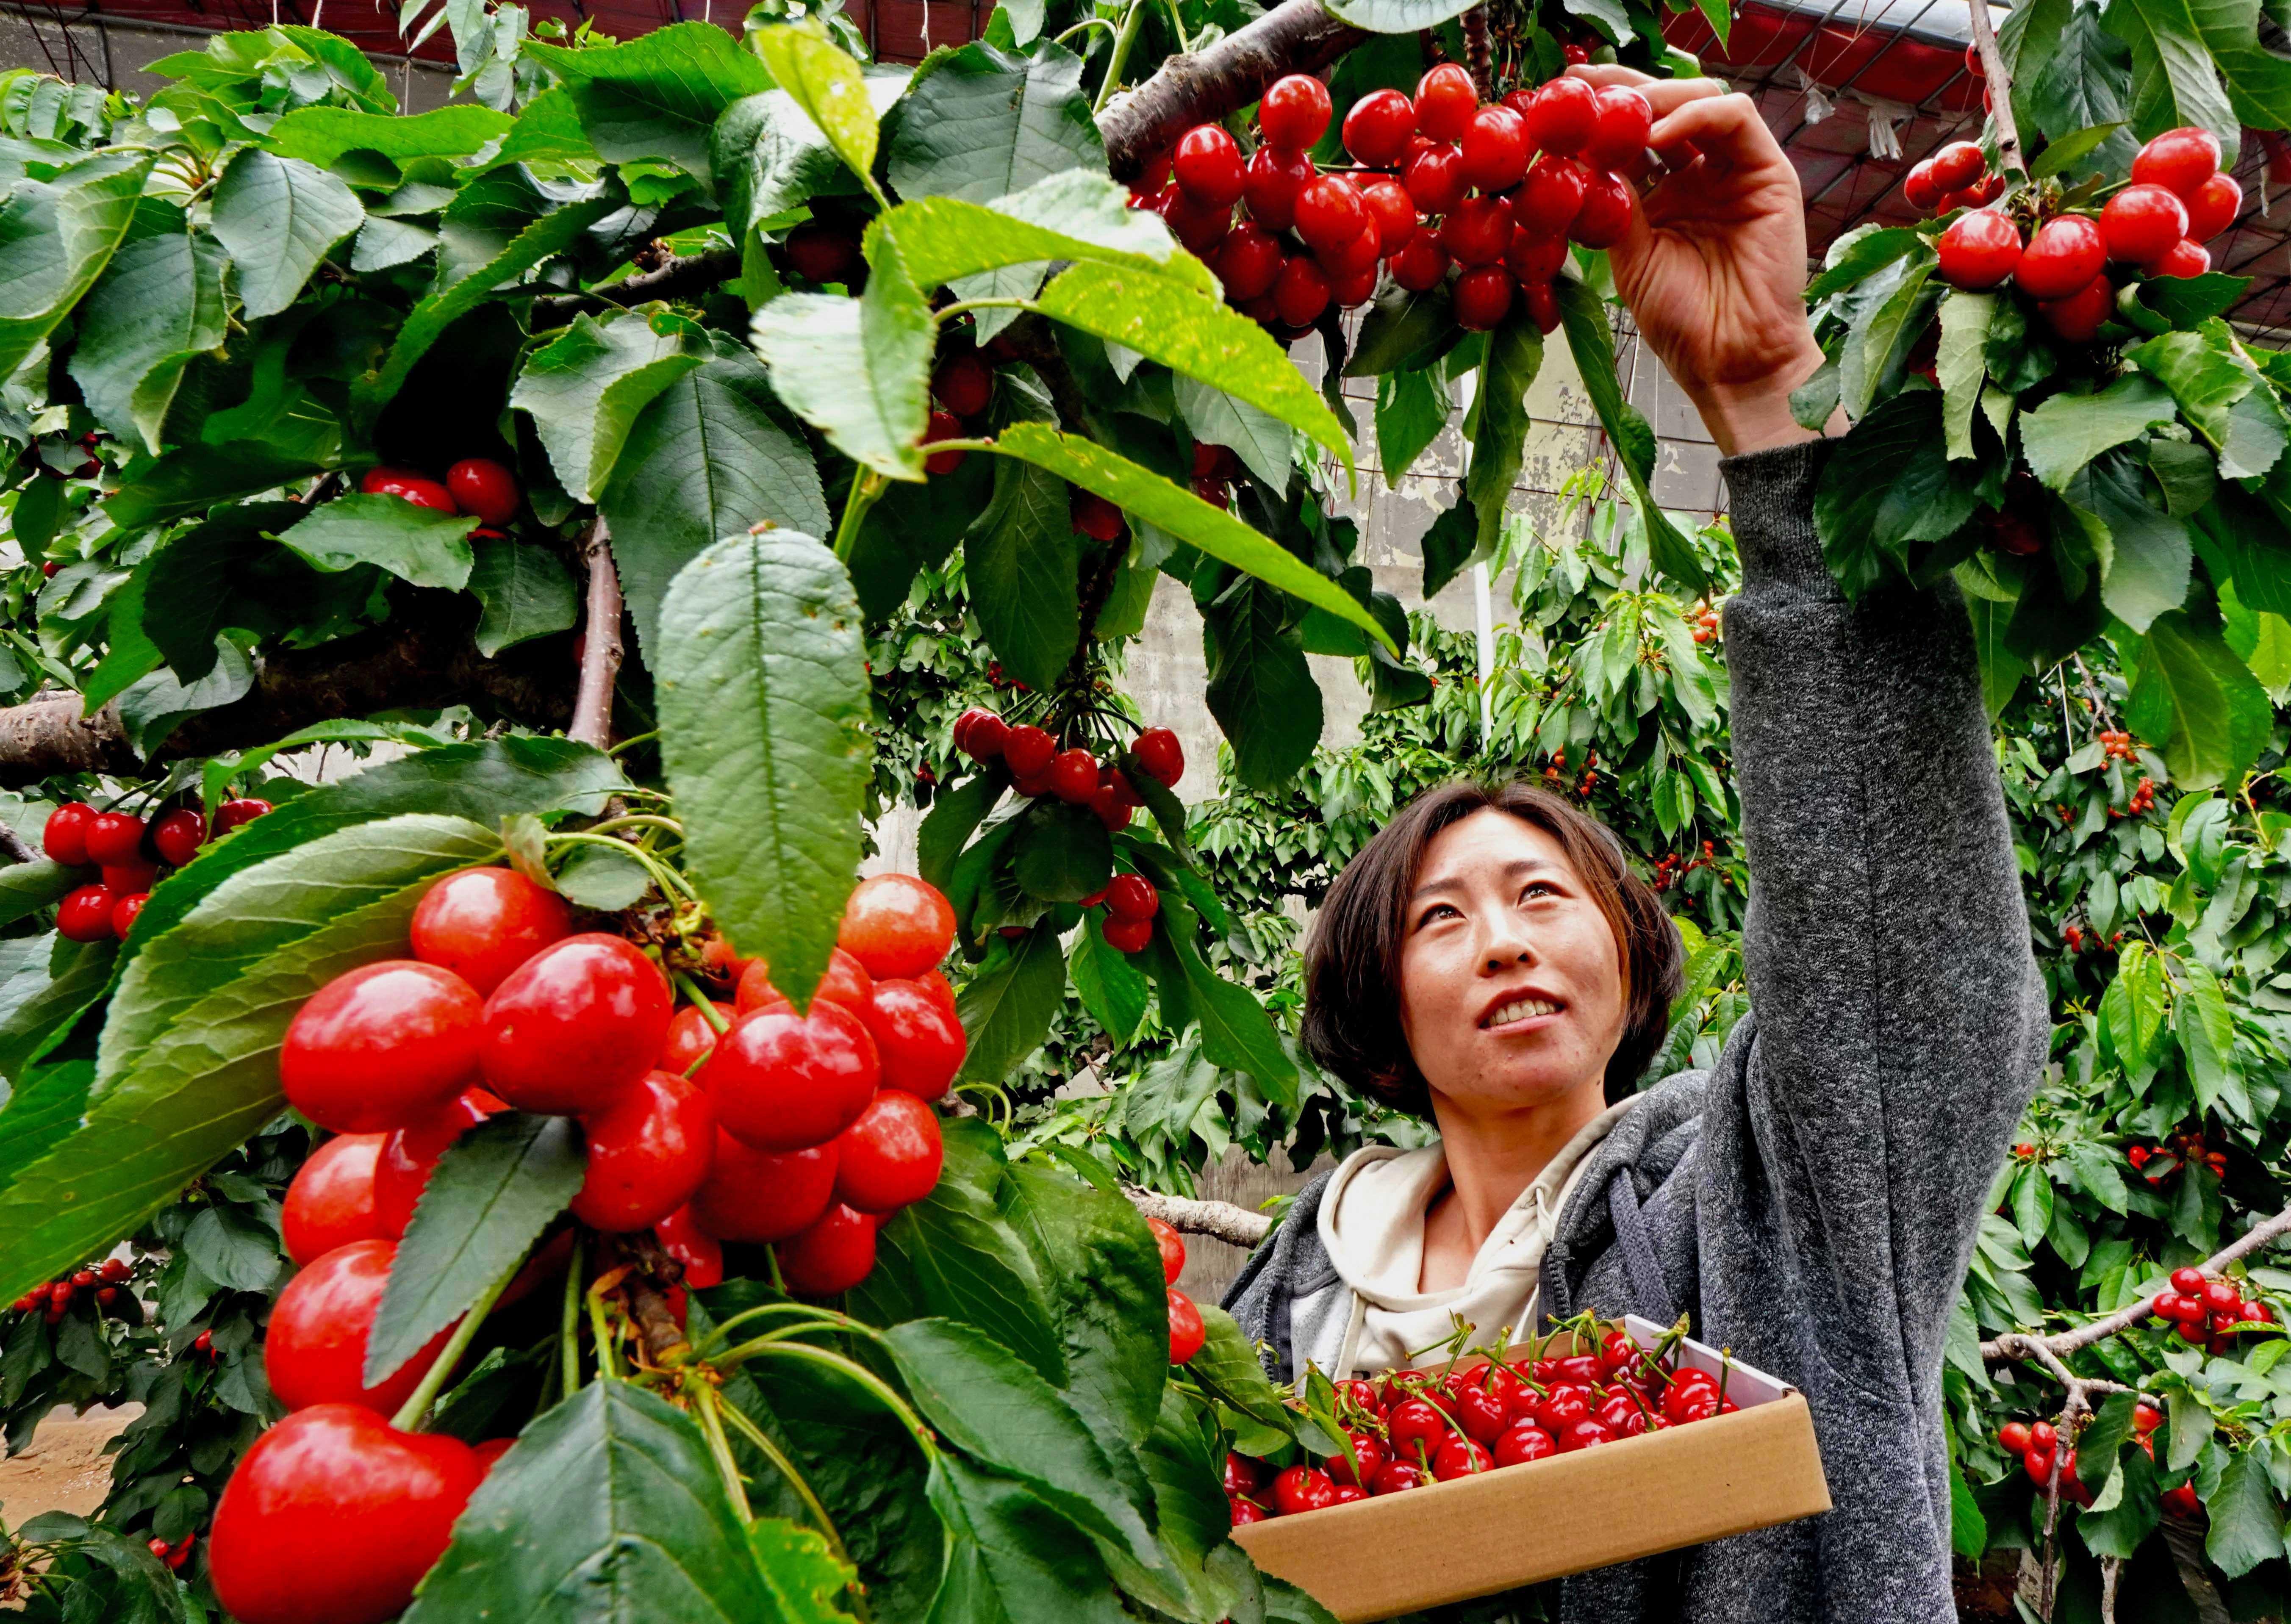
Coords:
1812,1201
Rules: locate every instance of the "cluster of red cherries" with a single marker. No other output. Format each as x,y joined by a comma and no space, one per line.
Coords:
102,1282
2207,1310
1408,1428
2178,200
1554,774
751,1123
478,487
2157,1163
131,853
1187,1333
1440,179
1673,867
2037,1447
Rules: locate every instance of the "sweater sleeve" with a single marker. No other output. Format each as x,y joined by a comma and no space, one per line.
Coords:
1900,1021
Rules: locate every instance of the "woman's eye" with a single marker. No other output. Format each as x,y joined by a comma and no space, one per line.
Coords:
1433,914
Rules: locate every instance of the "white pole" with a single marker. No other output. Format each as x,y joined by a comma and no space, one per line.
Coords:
1484,607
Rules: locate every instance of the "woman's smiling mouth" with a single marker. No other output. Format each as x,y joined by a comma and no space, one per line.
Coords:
1513,1011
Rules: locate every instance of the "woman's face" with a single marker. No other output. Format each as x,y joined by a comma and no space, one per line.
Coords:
1511,987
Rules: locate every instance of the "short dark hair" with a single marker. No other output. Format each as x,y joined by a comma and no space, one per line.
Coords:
1352,961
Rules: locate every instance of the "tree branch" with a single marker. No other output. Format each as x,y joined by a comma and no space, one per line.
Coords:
1482,57
2000,88
1295,36
1220,1220
601,658
681,278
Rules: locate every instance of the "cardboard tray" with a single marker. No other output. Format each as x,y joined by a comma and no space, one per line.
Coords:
1565,1514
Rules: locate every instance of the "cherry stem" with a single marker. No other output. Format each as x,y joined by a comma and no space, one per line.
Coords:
1120,60
705,1004
637,820
569,1329
608,1363
707,1412
762,1441
670,881
866,486
860,1376
410,1414
722,1333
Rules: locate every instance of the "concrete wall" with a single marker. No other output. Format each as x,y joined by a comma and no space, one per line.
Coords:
89,48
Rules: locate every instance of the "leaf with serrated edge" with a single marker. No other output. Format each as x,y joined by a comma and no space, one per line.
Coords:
2066,433
761,681
858,370
523,592
279,217
159,304
1961,364
493,1192
823,80
56,236
984,124
1023,568
1007,1008
1075,214
656,97
585,387
801,1570
418,545
1592,343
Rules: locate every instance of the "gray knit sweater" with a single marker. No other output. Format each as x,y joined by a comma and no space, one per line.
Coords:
1811,1202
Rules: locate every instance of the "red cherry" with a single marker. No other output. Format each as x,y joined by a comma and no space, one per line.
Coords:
648,1153
1477,231
1294,113
980,734
115,838
84,915
2213,207
965,385
1159,753
2012,1437
2178,160
123,912
1422,264
1434,179
1957,165
380,1046
1394,211
692,1038
1920,188
2066,253
1173,1249
1495,149
482,923
1608,203
1980,249
1127,936
1300,1488
410,1154
1186,1332
483,486
943,426
2180,1501
330,1204
1482,297
126,879
313,1350
822,253
918,1040
1247,262
1461,1457
1300,292
1207,167
1397,1477
1243,1512
890,1156
573,1028
1349,260
2141,223
1379,127
898,925
236,814
1533,259
1573,54
2078,317
1585,1434
1563,116
757,1195
1547,202
1330,213
2145,1419
835,1254
1446,101
1073,778
1522,1443
335,1515
1029,751
423,494
178,836
1618,134
2185,259
1270,186
699,1254
385,480
784,1081
1132,897
2187,1281
1415,1421
64,836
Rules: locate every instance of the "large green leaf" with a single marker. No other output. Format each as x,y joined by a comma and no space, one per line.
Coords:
1260,688
2246,1527
2204,373
417,544
1411,408
523,591
983,123
1499,420
1023,565
1146,495
1008,1007
322,135
608,1510
2178,65
1889,483
2201,704
2066,433
1012,1559
1262,441
494,1192
709,456
279,217
821,77
584,389
656,97
801,1572
192,478
1877,349
1591,342
56,237
159,304
187,1064
761,679
858,370
769,157
1960,364
2149,550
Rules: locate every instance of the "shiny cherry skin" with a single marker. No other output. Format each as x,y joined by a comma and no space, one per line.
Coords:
1074,779
891,1155
833,1255
2142,222
1379,126
1397,1477
1243,1512
965,385
1957,165
381,1046
649,1154
1480,1413
919,1042
115,837
84,915
1294,112
757,1195
898,925
1477,231
1302,1488
1980,250
943,426
1522,1443
1128,936
1482,297
314,1351
483,486
1608,205
1132,897
64,836
573,1028
1393,212
1330,214
1495,149
1207,167
2078,317
1414,1421
1347,262
1619,133
1422,264
2064,255
1173,1249
126,879
2184,259
1027,753
1446,101
178,836
1248,261
236,813
1159,753
1563,116
1370,1449
1461,1457
2213,207
1551,196
1434,179
699,1254
1186,1331
1300,292
334,1515
784,1081
330,1204
423,493
2178,160
692,1038
482,923
1532,258
1919,188
1270,186
410,1154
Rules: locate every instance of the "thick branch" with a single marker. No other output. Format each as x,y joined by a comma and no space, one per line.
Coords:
1295,36
2000,88
421,659
601,658
1220,1220
680,279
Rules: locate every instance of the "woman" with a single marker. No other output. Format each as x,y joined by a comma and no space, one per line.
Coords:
1812,1201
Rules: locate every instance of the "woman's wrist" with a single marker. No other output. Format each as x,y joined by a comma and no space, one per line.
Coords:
1756,415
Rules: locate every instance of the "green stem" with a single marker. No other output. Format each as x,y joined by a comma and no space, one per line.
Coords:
569,1329
609,1363
702,1003
667,878
719,1448
761,1440
722,1333
866,486
1178,26
640,738
410,1414
637,820
1084,27
1123,41
962,307
859,1375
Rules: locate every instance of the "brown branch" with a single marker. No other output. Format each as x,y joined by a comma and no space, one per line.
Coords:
421,659
1476,48
14,845
1220,1220
651,1273
2000,88
600,658
1295,36
681,278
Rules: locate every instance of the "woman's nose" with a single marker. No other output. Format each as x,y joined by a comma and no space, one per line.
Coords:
1507,943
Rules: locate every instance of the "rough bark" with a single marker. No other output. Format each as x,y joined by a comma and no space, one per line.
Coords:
600,653
1295,36
1219,1219
680,279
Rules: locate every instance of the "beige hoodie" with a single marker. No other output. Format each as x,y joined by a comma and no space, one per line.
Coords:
1371,1223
